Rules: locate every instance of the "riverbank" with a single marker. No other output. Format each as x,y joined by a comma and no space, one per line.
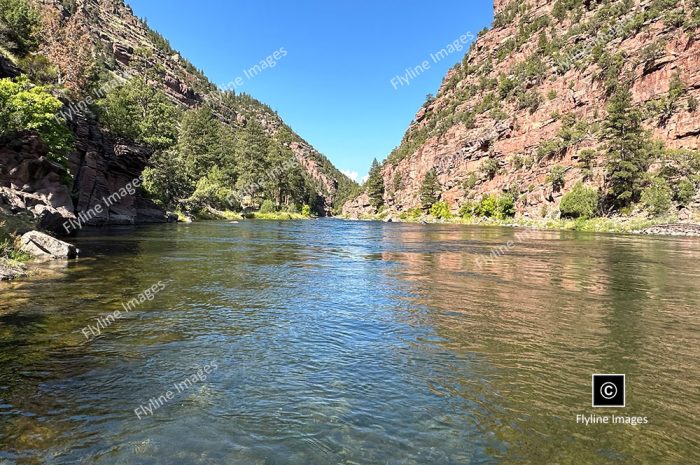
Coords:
617,225
212,214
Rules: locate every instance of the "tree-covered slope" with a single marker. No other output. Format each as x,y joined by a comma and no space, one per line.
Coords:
136,107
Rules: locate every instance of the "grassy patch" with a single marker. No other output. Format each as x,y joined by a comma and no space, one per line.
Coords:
279,216
10,252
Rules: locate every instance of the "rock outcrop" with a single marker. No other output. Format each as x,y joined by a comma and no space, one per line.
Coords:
40,245
31,182
103,167
531,95
7,68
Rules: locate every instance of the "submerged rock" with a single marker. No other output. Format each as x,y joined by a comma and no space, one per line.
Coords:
9,271
42,245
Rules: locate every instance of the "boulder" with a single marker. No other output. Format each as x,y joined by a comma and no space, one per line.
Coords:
9,271
42,245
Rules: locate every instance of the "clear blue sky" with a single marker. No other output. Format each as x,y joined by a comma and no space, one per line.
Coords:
333,87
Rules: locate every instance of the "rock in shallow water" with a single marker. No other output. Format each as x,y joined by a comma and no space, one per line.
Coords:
42,245
676,229
9,271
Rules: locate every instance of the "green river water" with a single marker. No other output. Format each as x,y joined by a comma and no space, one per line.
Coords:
334,342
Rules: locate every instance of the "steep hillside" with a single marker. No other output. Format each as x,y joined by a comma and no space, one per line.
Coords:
527,112
91,54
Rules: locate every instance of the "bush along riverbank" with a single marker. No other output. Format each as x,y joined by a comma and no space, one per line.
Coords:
12,260
493,211
267,211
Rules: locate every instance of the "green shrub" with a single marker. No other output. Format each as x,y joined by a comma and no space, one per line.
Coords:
657,197
306,210
268,206
469,120
492,206
212,191
441,210
470,182
468,209
517,162
549,148
531,100
505,206
38,68
9,251
411,214
579,202
684,191
24,107
556,177
486,206
490,168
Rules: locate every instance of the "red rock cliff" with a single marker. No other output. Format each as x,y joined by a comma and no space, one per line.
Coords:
531,94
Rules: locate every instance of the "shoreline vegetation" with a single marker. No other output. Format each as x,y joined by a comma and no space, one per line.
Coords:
667,225
209,213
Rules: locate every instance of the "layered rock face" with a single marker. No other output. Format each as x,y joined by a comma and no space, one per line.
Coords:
31,183
532,92
104,170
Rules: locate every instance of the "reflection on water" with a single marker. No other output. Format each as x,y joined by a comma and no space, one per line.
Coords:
342,342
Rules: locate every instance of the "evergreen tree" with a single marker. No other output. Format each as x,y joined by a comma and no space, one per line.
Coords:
627,150
286,184
430,190
252,149
139,112
19,23
375,185
199,142
165,179
226,152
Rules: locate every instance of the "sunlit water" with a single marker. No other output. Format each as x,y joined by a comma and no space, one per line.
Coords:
331,342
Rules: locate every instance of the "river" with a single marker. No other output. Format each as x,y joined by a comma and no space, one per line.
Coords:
334,342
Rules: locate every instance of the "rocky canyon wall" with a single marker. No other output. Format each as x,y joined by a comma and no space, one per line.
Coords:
531,94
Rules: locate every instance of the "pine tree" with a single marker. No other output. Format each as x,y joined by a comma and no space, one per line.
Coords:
375,185
430,190
139,112
253,149
284,178
19,24
164,178
199,142
627,150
